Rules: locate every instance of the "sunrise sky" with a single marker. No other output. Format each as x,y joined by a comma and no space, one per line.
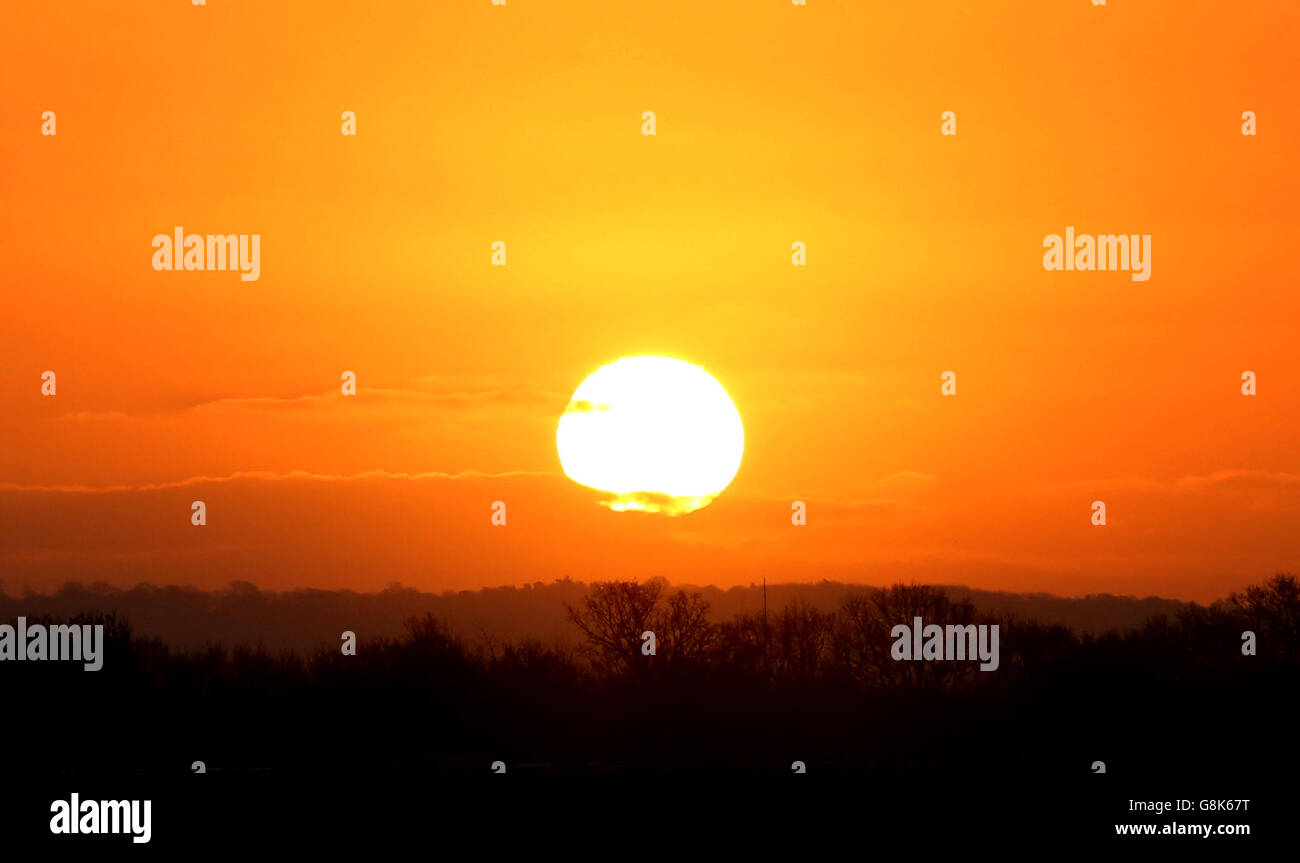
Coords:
775,123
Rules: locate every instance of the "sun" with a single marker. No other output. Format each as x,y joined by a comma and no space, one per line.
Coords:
659,434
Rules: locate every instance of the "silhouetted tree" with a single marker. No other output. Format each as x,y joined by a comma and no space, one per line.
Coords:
863,639
685,635
1273,611
799,642
613,617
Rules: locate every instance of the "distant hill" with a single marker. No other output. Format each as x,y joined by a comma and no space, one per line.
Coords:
304,619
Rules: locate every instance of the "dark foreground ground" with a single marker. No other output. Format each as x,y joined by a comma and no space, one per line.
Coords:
413,727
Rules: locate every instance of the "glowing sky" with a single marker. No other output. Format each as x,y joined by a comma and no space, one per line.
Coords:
774,124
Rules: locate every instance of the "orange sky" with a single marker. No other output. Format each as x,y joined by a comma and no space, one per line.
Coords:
775,123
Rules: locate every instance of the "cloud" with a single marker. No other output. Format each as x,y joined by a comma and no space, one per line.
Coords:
433,529
1226,481
268,476
907,479
529,398
450,401
656,502
358,531
582,406
1238,479
95,416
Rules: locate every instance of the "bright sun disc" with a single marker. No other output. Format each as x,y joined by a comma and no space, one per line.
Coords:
660,434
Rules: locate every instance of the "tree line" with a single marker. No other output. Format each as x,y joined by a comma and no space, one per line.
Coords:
754,692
